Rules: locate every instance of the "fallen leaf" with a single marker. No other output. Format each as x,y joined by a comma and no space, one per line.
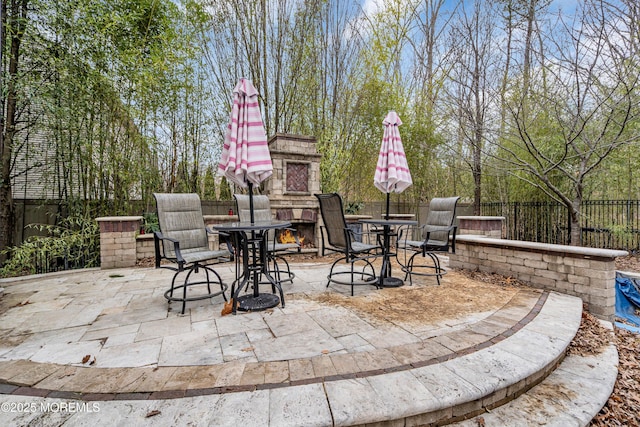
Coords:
20,304
153,413
248,349
228,307
86,358
325,352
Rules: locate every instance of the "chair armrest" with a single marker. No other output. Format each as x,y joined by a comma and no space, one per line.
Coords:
431,229
323,248
436,229
220,233
453,239
157,237
407,231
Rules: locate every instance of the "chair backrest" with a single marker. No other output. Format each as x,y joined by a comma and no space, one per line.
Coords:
261,208
442,213
334,221
180,217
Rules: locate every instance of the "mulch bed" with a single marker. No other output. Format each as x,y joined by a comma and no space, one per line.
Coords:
458,295
623,406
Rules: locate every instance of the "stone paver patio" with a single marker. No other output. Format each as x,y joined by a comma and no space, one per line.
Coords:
106,337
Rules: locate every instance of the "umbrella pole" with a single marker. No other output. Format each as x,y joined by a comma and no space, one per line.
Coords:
387,217
251,202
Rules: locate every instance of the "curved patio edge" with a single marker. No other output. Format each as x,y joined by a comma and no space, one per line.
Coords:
438,390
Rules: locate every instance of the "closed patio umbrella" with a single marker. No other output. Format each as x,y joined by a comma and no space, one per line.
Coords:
392,172
245,154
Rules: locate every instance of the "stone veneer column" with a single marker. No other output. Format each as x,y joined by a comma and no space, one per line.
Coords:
118,240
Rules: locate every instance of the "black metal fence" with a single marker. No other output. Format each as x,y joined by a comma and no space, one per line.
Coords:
71,258
608,224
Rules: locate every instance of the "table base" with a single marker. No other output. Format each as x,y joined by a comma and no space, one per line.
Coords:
391,282
249,302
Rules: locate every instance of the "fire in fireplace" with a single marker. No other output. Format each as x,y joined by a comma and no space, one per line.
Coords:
305,235
287,237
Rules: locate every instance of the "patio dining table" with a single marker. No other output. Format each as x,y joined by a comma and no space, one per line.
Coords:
250,241
386,280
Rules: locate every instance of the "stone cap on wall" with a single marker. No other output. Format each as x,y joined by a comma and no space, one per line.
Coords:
482,218
119,218
566,250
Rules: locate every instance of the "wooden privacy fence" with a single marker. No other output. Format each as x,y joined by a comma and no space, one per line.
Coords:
605,224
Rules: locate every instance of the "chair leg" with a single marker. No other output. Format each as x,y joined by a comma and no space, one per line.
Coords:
169,294
206,272
331,270
436,265
276,269
215,273
410,268
184,288
352,279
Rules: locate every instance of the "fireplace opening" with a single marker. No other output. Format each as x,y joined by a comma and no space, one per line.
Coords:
306,234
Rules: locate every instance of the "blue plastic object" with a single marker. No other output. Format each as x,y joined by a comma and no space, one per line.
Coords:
628,298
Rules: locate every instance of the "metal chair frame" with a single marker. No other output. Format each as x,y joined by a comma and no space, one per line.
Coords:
342,239
183,240
438,236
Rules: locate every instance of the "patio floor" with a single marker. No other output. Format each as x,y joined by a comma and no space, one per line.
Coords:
105,341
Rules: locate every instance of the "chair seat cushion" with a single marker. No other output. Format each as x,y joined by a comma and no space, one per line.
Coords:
362,247
418,245
191,256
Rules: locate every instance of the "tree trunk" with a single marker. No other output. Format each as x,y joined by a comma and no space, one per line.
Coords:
575,238
16,17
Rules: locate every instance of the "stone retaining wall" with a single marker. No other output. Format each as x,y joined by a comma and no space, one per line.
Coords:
121,243
587,273
118,240
145,247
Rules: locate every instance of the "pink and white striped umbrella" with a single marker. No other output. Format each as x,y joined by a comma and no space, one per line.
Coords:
245,154
392,171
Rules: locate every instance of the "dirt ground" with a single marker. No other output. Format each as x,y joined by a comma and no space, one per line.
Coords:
457,296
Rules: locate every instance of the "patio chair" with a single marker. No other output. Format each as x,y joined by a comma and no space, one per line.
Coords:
275,249
438,236
183,240
342,239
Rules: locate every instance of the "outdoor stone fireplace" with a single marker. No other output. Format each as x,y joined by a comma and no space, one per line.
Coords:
295,180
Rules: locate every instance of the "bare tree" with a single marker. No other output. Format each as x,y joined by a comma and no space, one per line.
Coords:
563,129
471,87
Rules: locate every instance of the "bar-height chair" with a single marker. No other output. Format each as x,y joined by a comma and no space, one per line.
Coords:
438,236
275,249
341,239
183,240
